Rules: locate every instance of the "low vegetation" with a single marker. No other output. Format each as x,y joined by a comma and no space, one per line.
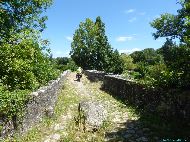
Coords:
26,61
24,56
63,123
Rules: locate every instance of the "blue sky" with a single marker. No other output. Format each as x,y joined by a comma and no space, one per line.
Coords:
126,21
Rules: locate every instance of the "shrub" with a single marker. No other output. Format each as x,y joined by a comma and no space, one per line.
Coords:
131,75
64,63
12,104
160,76
24,64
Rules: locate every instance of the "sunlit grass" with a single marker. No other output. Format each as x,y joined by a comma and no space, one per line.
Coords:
67,106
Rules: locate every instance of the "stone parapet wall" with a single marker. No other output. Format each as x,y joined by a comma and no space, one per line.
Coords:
40,104
94,75
43,101
167,103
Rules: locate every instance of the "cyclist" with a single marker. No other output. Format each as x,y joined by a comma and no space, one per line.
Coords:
79,74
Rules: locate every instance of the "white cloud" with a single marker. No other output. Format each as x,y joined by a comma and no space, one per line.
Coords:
142,13
124,38
132,19
69,38
129,11
129,51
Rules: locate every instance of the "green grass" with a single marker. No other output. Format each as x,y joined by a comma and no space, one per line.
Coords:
67,105
42,130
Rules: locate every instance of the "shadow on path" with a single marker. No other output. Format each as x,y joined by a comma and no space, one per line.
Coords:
149,127
133,131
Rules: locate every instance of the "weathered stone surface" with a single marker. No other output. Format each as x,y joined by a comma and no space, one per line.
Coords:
53,138
59,127
131,131
95,75
8,129
94,113
142,139
127,136
49,111
146,129
134,93
41,104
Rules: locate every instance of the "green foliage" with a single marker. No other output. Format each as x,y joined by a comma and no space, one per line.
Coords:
187,20
131,75
137,56
156,75
24,62
82,47
65,63
115,63
174,26
62,60
141,67
155,71
17,15
128,62
71,65
145,62
24,59
172,72
90,47
12,104
24,65
148,56
166,50
176,57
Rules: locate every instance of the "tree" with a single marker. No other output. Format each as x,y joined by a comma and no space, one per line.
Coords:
186,14
166,51
175,56
128,62
115,63
25,65
65,63
147,56
24,59
25,62
83,45
62,60
103,48
90,47
17,15
174,26
137,56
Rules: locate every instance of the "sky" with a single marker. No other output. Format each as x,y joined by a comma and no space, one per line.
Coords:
127,22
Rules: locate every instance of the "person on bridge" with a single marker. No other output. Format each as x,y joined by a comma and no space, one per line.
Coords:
79,74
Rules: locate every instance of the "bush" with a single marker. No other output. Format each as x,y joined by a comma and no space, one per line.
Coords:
12,104
24,65
71,65
142,68
160,76
131,75
64,63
